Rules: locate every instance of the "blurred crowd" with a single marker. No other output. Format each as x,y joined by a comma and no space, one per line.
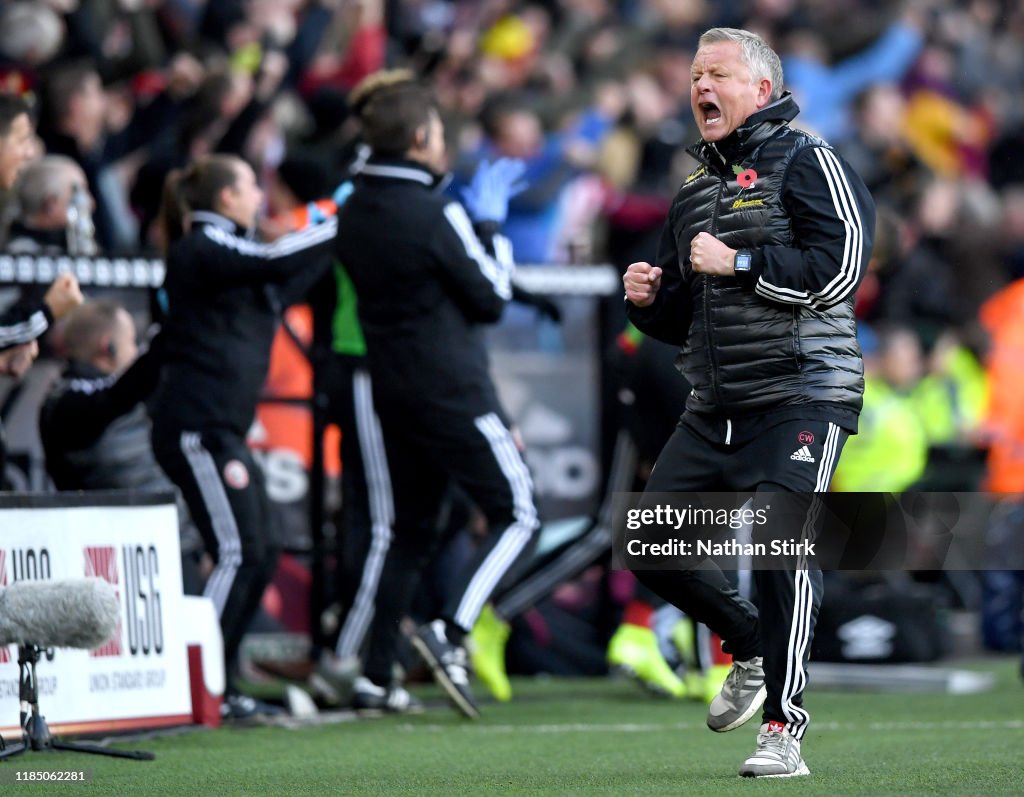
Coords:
924,98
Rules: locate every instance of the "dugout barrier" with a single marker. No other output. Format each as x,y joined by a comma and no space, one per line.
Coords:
164,664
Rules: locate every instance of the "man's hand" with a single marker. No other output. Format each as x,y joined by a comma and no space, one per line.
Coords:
708,255
63,295
642,281
493,185
15,361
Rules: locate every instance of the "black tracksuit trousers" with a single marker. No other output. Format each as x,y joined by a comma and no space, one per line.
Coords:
474,448
224,489
789,456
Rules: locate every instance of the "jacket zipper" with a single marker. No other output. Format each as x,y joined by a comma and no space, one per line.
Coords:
797,354
707,300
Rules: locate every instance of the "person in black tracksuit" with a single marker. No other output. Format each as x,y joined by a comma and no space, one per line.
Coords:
765,245
428,279
224,296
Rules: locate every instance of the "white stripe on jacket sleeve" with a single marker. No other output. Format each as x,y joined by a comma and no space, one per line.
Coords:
845,204
498,269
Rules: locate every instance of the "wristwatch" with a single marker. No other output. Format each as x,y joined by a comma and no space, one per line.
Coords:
741,263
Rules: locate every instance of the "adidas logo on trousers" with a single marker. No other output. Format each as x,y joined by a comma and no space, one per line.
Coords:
802,454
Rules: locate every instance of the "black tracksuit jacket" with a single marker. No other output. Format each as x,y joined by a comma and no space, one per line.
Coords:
95,430
23,323
224,300
427,280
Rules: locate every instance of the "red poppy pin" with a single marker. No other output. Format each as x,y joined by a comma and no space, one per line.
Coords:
744,177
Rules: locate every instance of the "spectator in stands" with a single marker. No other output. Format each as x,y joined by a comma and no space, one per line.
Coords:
890,449
43,194
553,161
825,91
75,123
219,117
917,290
17,138
23,323
352,47
94,425
878,147
948,132
123,38
30,35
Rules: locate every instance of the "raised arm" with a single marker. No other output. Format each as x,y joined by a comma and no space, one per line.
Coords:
230,258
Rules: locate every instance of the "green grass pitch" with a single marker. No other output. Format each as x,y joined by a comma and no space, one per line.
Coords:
584,737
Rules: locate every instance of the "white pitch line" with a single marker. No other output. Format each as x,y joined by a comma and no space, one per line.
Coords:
576,727
580,727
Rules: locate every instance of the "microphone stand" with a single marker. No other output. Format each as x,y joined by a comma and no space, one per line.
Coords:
35,733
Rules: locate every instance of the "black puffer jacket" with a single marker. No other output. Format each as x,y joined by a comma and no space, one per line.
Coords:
785,333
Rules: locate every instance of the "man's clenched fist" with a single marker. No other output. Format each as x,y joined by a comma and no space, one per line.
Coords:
641,281
708,255
63,295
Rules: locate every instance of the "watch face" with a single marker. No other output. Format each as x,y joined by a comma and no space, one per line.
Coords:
742,262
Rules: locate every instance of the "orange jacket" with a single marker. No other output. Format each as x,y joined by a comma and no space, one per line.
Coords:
1003,317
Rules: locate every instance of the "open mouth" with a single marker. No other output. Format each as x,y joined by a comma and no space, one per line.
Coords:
711,112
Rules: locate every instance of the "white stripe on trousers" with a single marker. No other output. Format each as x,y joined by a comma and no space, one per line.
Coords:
515,537
382,516
828,459
225,528
797,718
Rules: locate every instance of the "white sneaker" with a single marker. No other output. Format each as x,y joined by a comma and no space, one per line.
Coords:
742,696
777,755
332,679
367,696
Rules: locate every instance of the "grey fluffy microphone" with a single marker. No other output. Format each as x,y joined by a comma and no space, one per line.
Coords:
70,613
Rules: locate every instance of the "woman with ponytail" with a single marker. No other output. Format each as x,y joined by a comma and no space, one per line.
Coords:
222,292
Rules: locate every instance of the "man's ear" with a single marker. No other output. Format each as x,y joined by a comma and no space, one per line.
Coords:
224,195
422,136
764,92
105,347
51,201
